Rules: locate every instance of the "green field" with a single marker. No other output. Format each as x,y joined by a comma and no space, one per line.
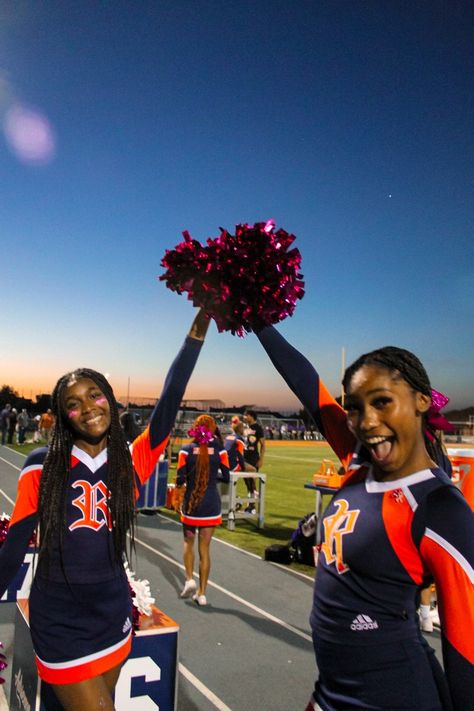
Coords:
288,467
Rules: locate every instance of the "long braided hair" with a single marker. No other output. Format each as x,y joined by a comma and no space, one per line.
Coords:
405,364
202,463
54,479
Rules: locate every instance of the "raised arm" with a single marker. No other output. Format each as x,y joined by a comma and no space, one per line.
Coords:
151,443
303,379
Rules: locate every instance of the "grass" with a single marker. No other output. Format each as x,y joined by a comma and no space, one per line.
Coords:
288,466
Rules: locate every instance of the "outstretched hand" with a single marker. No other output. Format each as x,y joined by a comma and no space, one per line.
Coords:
199,326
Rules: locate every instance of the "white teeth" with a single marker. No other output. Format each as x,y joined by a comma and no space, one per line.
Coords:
375,440
93,420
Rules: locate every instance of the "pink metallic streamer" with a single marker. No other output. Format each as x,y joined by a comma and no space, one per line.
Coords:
245,281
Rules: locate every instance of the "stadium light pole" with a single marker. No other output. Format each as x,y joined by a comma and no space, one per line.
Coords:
343,368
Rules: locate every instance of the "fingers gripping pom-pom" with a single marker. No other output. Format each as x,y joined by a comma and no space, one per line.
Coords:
244,281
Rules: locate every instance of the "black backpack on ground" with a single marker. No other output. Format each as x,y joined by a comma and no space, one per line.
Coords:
278,553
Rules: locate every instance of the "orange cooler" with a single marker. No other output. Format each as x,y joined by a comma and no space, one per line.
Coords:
463,471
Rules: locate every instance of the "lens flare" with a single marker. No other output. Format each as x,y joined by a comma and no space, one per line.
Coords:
29,135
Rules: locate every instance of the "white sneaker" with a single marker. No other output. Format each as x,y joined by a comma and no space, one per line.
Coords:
426,624
189,588
200,600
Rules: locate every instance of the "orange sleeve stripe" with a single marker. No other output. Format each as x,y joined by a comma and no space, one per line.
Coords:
27,498
144,457
72,672
336,431
182,457
224,457
454,579
240,446
397,516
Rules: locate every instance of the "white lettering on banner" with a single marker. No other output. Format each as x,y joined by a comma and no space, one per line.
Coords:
139,666
24,590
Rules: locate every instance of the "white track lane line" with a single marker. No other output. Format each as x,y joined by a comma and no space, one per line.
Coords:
232,595
242,550
210,696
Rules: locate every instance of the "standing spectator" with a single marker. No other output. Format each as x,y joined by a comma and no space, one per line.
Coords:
23,421
46,425
4,421
235,446
199,465
254,453
36,432
12,422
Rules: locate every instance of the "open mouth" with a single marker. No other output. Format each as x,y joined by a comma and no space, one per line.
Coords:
380,447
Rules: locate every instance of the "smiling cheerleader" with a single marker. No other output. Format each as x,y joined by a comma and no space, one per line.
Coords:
396,520
80,492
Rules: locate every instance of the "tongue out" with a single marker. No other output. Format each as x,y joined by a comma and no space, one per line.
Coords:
381,450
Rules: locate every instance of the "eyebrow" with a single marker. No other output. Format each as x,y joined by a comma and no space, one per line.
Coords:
375,391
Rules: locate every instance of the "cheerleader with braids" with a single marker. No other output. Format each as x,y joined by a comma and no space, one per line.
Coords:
396,520
200,465
79,494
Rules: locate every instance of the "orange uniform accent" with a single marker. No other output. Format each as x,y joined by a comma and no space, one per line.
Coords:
398,517
80,672
27,497
452,585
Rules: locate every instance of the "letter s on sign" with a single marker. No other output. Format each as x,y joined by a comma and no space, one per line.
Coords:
138,666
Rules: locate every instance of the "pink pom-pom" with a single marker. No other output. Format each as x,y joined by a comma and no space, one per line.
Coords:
4,525
244,281
3,665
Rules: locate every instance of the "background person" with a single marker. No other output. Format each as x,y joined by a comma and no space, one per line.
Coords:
4,422
12,423
234,444
82,492
23,422
254,452
397,518
46,425
200,464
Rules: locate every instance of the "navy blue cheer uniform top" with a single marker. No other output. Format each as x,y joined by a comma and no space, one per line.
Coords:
208,511
80,604
380,542
235,447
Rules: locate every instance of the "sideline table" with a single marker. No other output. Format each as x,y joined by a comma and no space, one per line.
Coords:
230,500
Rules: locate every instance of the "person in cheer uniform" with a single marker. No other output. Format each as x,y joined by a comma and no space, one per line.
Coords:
80,494
397,519
200,464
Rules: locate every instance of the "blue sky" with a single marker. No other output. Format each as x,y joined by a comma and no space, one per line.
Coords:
348,123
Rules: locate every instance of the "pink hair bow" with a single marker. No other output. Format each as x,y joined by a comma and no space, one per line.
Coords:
437,421
201,434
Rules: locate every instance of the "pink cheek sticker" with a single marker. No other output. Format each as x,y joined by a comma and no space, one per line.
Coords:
101,400
72,413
